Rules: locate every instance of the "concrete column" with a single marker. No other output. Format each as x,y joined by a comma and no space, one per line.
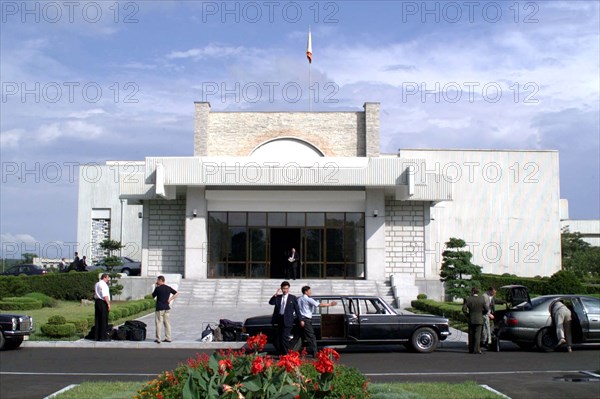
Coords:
145,236
375,234
196,234
201,129
372,129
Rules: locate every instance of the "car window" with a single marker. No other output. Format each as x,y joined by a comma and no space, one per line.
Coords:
337,309
591,305
371,306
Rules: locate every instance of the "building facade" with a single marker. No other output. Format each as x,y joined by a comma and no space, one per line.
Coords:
260,183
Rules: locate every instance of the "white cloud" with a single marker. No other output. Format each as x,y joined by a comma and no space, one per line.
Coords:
11,138
70,129
87,113
210,51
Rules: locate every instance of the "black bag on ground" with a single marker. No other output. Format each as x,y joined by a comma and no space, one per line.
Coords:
92,334
135,330
119,334
230,330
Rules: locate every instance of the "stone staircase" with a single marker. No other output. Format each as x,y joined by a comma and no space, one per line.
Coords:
237,293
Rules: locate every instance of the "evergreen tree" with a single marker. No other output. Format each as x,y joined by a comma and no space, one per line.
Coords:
457,271
110,262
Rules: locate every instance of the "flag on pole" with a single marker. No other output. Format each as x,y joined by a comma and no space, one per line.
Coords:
309,48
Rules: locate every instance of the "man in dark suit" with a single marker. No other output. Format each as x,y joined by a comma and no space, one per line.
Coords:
475,307
285,313
293,262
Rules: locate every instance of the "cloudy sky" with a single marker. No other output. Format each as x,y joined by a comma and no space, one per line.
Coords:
85,82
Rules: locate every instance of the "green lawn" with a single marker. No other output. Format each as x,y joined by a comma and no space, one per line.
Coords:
400,390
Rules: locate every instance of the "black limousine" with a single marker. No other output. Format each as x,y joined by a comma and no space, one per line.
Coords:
360,319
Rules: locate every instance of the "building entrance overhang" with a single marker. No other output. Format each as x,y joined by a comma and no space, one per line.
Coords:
408,179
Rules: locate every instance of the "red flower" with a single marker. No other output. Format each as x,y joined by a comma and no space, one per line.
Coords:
258,365
225,365
325,359
257,342
290,361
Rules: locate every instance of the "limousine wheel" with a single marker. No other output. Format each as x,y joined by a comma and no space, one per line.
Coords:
424,340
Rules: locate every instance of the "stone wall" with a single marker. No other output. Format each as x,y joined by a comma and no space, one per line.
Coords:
404,237
335,134
166,237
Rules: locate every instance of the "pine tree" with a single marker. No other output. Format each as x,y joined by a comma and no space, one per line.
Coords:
457,271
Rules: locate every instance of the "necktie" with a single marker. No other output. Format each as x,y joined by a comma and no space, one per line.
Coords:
282,309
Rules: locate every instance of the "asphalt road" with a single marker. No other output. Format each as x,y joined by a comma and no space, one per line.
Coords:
39,372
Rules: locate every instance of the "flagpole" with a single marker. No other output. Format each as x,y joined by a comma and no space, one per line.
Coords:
309,83
309,57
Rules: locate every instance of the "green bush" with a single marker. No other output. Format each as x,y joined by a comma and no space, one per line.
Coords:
422,296
564,282
72,286
451,311
20,303
57,319
81,325
47,301
58,330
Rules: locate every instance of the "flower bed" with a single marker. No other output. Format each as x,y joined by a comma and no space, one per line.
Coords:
250,374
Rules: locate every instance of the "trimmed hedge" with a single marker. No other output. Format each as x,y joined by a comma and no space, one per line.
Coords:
536,285
57,319
72,286
443,309
58,330
20,303
81,326
47,302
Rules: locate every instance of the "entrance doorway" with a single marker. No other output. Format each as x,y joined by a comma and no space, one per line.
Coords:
282,241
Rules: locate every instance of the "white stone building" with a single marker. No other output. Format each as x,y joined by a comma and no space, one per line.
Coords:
259,183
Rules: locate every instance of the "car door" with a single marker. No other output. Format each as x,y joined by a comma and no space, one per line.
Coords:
591,324
376,323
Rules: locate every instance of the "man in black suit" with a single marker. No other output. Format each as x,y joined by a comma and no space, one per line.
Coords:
293,262
285,313
475,307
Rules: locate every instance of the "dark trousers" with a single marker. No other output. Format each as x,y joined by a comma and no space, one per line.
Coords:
101,320
475,337
283,336
308,334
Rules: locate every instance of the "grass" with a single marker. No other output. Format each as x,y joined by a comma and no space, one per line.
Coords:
425,390
71,310
400,390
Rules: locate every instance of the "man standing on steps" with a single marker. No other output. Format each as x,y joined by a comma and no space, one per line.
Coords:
164,296
285,314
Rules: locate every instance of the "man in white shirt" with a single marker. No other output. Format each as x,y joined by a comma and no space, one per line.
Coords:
307,306
101,308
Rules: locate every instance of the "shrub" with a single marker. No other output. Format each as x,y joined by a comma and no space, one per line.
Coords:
20,303
58,330
81,325
47,301
65,286
422,296
57,319
564,282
